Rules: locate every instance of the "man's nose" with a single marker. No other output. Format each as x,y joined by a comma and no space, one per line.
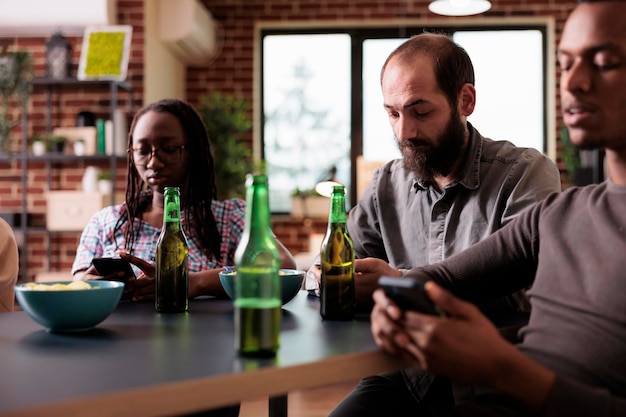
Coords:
405,128
577,78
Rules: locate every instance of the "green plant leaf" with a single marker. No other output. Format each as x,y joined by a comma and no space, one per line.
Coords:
227,121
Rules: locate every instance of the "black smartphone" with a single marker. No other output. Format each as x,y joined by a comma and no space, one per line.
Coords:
409,294
108,266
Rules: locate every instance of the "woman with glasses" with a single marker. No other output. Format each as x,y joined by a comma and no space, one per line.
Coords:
168,145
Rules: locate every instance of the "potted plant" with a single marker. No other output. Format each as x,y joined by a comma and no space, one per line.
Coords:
227,121
79,147
308,204
15,74
105,182
56,143
38,145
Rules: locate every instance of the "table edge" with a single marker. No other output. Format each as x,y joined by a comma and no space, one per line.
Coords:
191,395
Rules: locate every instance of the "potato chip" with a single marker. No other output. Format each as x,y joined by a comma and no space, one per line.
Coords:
74,285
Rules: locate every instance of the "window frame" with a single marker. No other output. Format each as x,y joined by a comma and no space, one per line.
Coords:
404,29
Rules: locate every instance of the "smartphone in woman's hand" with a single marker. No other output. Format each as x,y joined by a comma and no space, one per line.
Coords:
105,267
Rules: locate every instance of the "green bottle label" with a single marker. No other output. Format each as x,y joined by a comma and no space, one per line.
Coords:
172,213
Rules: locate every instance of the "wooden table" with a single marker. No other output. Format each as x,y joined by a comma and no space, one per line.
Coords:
141,363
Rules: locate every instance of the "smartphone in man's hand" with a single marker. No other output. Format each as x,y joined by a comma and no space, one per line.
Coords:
408,294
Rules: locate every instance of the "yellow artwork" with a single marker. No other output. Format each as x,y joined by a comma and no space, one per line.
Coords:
105,53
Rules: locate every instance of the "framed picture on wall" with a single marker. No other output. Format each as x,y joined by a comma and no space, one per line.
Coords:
105,53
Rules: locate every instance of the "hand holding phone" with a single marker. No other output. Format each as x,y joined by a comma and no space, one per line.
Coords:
106,267
409,294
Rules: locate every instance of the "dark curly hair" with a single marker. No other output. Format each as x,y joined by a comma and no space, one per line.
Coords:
199,188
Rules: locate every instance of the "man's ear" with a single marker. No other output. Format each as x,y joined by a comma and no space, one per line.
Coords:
467,99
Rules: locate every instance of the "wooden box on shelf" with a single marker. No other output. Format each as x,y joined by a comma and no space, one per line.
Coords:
71,210
310,207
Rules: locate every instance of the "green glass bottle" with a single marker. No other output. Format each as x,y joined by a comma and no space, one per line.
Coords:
337,263
257,284
172,281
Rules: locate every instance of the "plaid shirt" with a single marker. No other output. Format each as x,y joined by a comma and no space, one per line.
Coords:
97,238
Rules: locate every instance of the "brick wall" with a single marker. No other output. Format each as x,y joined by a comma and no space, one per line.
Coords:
66,103
231,72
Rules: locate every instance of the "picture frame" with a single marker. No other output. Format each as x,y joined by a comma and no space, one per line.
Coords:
105,53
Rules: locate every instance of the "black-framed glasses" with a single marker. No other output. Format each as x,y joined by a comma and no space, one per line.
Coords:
167,154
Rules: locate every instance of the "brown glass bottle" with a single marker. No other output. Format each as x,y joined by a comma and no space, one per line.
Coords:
172,253
337,301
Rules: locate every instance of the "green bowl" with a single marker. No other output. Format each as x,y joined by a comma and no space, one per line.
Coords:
290,283
70,310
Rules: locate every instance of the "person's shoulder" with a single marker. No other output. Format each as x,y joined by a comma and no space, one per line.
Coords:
229,205
388,177
8,243
517,157
580,195
504,149
229,213
6,234
108,215
114,210
5,227
394,168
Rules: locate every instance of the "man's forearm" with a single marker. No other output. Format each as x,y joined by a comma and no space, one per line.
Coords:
523,379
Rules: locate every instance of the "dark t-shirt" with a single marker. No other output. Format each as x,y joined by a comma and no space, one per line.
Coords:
572,249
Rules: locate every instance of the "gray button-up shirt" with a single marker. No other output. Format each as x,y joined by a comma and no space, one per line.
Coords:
409,223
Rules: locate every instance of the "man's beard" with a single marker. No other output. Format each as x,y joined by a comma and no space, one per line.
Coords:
439,158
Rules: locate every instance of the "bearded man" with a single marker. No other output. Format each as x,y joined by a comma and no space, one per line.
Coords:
452,187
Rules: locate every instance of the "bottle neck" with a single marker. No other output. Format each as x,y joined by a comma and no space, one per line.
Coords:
337,213
171,211
257,212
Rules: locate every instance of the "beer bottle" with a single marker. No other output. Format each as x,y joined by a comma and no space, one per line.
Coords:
337,263
257,284
171,258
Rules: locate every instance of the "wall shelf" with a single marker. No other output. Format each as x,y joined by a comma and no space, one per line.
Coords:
58,160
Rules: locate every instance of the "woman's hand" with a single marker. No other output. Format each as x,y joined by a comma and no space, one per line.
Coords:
87,274
200,283
145,285
91,274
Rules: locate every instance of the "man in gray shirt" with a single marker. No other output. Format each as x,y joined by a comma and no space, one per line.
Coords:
409,221
451,189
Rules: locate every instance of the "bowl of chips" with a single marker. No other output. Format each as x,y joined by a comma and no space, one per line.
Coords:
69,306
290,283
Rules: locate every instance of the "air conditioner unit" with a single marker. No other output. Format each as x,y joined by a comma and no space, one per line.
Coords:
46,17
187,28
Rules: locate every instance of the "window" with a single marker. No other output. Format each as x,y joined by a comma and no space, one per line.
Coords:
322,104
306,108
